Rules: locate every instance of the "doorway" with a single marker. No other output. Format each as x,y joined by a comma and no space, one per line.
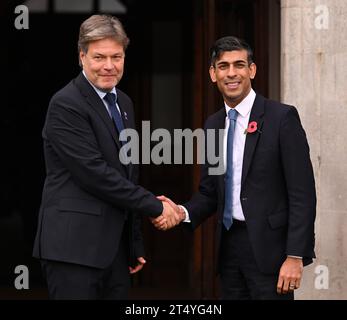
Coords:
166,75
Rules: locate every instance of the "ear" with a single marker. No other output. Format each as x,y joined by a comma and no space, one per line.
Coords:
82,56
253,70
213,74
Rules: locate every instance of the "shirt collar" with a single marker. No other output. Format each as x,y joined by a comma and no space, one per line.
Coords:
245,106
100,93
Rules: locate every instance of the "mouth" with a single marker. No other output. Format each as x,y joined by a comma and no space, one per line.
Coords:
233,85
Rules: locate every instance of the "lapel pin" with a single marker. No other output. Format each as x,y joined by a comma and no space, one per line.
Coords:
252,127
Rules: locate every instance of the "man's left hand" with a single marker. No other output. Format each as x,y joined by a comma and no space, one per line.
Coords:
290,275
141,262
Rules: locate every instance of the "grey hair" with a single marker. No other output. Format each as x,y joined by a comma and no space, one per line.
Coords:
99,27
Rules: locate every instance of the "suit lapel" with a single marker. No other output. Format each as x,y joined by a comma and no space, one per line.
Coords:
123,110
220,124
125,114
252,138
95,102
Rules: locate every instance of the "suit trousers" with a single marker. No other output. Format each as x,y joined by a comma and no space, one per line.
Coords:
240,277
68,281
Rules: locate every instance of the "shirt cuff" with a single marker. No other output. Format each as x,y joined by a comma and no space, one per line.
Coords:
295,257
187,219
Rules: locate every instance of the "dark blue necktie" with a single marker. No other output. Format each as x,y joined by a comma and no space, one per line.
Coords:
228,204
111,101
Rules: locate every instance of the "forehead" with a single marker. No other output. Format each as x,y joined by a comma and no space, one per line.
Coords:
107,44
232,56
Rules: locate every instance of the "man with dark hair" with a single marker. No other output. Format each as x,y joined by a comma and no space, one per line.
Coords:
88,233
266,201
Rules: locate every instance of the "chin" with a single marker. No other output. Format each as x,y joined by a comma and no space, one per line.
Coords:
107,87
234,98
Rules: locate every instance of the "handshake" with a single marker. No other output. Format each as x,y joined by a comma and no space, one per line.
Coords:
171,216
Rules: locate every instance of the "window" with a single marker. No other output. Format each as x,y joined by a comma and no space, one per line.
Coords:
76,6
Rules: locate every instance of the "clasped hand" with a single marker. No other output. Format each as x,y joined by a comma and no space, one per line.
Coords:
171,216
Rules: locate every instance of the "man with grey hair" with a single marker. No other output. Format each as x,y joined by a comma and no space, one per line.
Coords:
88,236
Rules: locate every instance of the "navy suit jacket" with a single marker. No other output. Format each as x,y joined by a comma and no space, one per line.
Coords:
278,195
88,193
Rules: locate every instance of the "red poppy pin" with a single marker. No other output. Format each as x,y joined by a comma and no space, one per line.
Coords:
252,127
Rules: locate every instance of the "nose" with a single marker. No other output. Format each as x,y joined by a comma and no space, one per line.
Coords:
108,64
231,71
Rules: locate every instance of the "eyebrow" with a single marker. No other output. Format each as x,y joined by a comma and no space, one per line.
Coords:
234,62
103,55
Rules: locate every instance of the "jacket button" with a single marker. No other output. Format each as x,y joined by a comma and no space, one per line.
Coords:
244,199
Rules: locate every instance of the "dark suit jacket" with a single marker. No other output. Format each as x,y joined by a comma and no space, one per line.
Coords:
88,194
278,195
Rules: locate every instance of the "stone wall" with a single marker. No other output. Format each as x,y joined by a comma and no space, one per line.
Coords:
314,78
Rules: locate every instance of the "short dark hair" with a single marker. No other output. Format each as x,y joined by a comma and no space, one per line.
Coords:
230,43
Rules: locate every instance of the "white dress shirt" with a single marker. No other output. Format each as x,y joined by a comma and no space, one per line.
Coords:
243,112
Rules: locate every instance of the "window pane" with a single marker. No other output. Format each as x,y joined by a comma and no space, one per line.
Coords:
37,5
73,6
112,6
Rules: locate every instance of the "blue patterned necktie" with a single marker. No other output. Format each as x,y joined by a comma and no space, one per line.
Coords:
111,101
228,204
